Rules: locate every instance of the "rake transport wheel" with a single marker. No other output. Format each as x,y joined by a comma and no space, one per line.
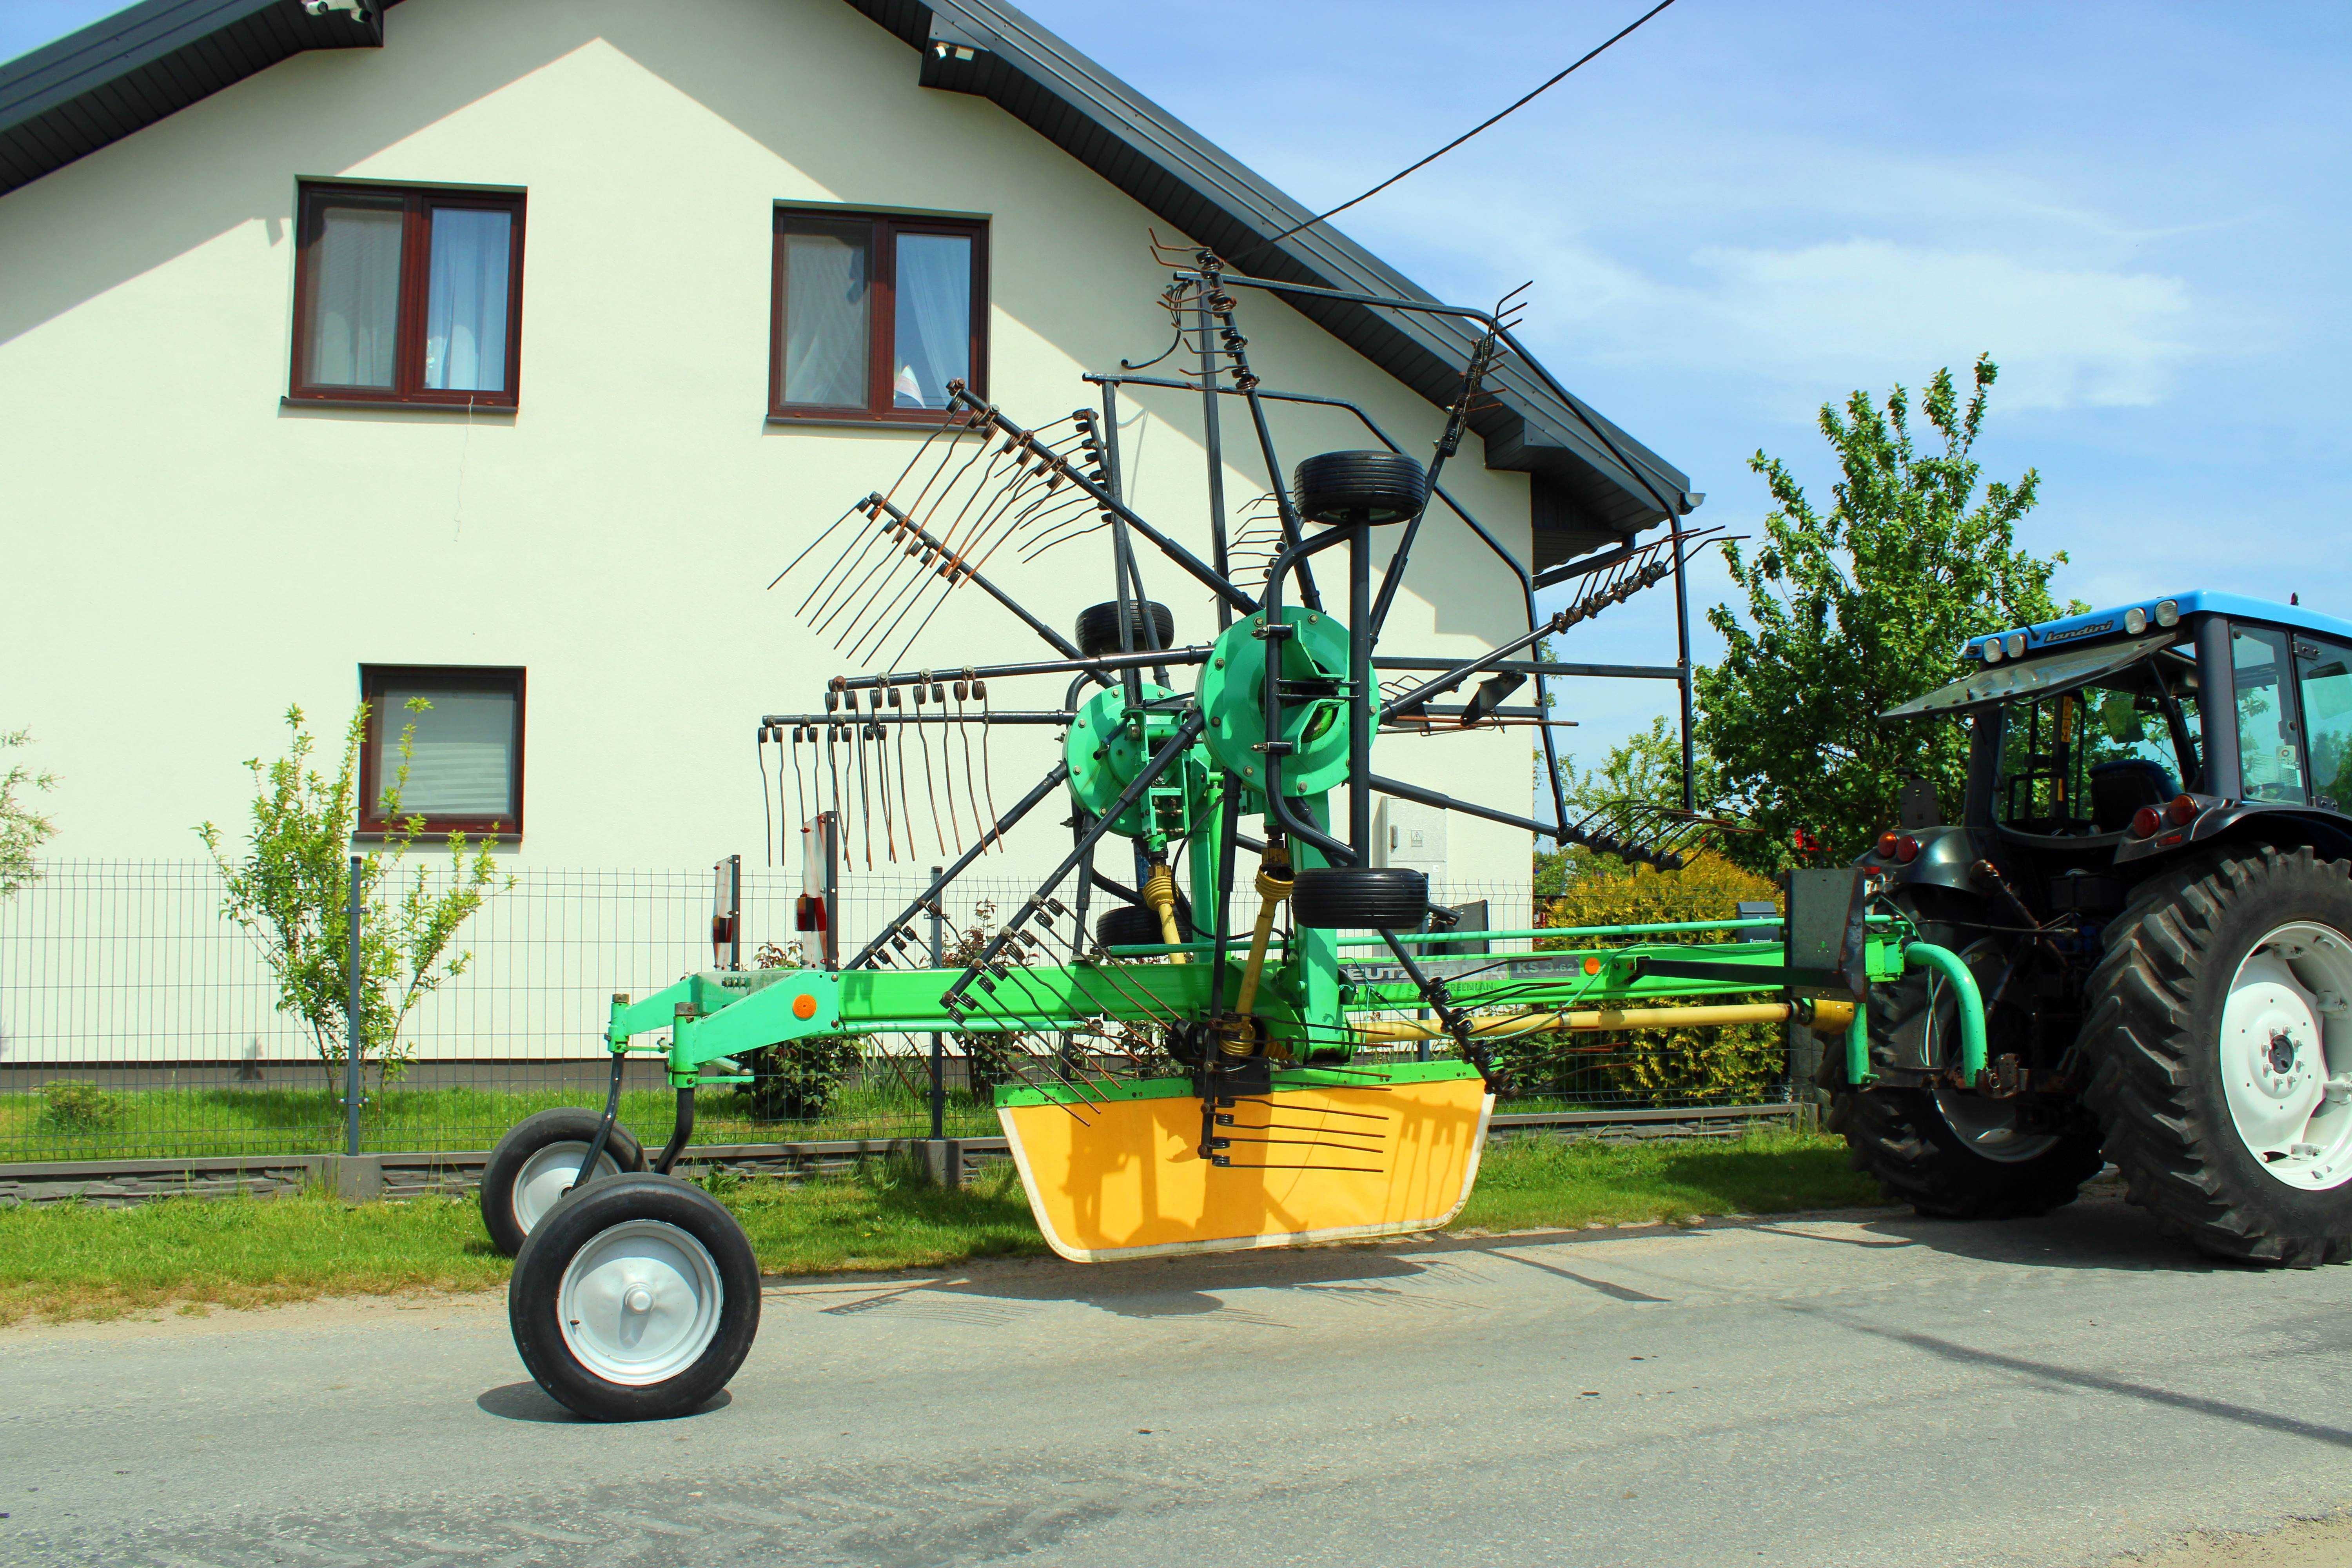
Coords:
537,1162
635,1299
1949,1154
2220,1033
1098,628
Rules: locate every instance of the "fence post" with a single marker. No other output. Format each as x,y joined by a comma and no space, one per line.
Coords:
354,1032
938,1045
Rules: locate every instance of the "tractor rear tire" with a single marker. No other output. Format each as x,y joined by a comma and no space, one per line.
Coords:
537,1162
1098,628
1360,487
2215,973
1368,898
1948,1154
635,1299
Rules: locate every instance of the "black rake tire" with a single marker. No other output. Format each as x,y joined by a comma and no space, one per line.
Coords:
1370,898
2153,1033
1360,487
638,1233
1948,1157
525,1163
1098,628
1136,925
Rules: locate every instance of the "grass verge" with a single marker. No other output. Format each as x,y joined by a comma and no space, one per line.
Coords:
69,1261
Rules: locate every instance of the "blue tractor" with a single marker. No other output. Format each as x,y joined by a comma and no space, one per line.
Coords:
2151,883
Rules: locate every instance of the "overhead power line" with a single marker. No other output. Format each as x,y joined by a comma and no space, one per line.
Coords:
1591,55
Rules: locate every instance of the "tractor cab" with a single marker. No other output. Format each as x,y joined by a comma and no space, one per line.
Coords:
2104,744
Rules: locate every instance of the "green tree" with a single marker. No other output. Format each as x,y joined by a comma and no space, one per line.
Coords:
1852,611
23,830
291,889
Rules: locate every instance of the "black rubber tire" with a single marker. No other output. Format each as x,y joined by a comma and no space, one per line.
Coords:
1098,628
1902,1137
1360,487
1368,898
532,1296
1136,925
2152,1033
566,1124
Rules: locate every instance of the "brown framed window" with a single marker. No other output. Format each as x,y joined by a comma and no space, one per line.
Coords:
873,314
407,296
465,763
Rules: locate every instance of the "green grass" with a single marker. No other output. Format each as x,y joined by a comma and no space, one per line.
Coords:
142,1123
68,1261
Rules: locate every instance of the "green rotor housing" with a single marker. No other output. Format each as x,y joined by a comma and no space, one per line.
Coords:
1314,721
1107,746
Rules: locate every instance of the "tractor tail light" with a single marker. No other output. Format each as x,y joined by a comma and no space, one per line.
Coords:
2183,809
1899,847
2146,821
1886,844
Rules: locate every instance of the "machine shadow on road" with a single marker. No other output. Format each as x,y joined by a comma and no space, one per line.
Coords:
2102,1233
2098,1232
527,1401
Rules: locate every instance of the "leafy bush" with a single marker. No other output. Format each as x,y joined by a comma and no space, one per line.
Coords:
23,830
1736,1062
797,1080
291,889
71,1105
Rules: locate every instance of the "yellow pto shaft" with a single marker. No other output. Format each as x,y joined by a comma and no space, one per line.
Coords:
1825,1017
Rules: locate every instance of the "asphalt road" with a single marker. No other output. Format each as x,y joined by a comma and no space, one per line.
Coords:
1864,1389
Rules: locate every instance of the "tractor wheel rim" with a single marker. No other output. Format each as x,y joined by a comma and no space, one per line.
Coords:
2285,1052
547,1176
1989,1127
640,1302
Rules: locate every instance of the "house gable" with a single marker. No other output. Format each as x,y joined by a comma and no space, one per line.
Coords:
143,64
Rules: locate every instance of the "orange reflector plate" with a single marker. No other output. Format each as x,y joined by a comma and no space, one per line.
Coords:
1122,1178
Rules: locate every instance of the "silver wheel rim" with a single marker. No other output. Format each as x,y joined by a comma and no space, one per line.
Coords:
1987,1127
2286,1055
547,1176
639,1303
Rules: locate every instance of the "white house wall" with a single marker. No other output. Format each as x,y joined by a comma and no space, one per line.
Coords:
185,557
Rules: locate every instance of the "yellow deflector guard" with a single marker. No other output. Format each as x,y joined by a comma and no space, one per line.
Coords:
1117,1172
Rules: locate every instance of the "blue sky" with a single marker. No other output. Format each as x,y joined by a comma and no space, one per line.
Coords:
1743,211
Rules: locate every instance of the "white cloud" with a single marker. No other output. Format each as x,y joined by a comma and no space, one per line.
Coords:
1873,310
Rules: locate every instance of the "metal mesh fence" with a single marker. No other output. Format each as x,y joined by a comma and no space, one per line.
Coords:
137,1020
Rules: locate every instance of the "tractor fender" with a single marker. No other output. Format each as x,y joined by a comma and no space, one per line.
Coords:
1946,853
2328,833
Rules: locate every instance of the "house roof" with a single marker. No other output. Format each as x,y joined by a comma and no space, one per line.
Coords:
1593,484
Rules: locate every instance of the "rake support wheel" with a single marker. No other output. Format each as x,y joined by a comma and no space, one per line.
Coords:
1377,488
1098,628
1370,897
1138,925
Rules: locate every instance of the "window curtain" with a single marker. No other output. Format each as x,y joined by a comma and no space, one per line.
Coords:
463,763
824,321
465,301
354,297
934,326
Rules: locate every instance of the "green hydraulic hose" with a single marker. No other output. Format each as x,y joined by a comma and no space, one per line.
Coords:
1971,1000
